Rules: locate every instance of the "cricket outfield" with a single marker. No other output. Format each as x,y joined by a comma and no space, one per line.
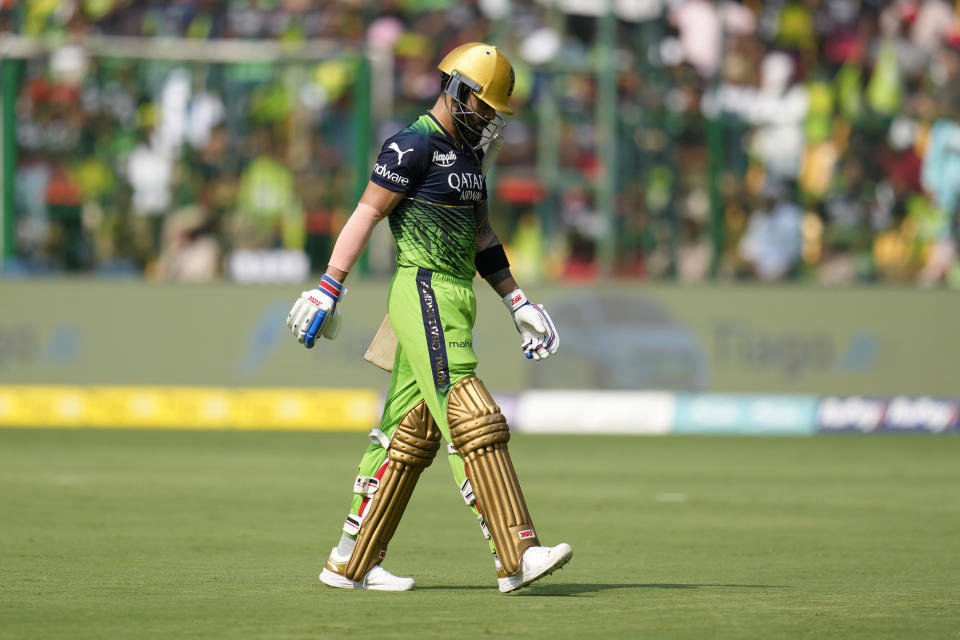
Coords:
210,534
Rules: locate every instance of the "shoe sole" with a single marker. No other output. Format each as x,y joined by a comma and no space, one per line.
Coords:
559,565
337,581
332,579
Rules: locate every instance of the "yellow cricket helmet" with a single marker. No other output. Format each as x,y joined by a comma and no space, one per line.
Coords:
485,70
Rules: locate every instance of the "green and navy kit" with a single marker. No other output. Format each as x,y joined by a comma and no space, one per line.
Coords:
435,225
431,304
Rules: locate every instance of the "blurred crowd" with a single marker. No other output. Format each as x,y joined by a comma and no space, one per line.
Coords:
811,141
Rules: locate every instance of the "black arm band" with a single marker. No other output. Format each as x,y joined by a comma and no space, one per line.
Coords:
491,260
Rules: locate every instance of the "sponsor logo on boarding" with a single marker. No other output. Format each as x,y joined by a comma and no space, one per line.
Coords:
444,159
853,413
900,413
921,414
526,534
394,177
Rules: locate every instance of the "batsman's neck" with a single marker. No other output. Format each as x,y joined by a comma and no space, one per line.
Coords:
441,111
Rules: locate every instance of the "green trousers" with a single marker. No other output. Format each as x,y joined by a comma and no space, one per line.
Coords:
433,316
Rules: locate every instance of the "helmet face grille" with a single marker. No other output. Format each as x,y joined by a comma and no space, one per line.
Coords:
463,113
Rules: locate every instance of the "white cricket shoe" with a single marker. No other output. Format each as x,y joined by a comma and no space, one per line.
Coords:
537,562
377,579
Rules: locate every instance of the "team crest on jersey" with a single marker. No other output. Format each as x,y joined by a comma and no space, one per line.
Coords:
444,159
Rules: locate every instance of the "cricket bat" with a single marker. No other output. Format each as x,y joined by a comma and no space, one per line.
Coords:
384,346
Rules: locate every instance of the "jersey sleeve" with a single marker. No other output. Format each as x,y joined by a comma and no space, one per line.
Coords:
402,162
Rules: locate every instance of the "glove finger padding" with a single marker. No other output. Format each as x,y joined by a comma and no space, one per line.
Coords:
539,338
291,317
314,313
526,344
308,316
312,328
298,315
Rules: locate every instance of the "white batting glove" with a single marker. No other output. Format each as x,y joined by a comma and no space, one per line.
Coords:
316,313
538,335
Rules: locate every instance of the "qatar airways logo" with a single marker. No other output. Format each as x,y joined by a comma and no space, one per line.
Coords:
468,185
394,177
444,159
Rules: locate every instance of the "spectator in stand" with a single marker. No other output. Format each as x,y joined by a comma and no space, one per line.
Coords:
845,99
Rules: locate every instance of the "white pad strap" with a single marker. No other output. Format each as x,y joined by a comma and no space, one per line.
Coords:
366,486
483,527
380,438
466,490
352,525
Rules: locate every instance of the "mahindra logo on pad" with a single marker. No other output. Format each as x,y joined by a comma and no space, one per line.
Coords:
527,533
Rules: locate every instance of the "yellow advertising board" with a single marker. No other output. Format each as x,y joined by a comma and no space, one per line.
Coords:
188,407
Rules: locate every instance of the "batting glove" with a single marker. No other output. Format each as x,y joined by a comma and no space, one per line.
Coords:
315,313
538,335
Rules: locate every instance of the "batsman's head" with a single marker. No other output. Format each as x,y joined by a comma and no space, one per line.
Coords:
479,80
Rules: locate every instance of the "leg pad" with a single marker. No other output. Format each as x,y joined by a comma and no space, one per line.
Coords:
480,434
412,449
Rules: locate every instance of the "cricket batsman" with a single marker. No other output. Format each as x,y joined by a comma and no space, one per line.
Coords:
429,182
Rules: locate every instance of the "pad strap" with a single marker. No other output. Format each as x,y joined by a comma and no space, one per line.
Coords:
379,437
366,486
352,525
466,490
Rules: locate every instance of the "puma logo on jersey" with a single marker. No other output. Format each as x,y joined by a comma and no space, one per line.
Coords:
395,147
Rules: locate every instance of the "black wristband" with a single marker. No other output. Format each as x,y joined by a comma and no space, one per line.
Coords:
491,260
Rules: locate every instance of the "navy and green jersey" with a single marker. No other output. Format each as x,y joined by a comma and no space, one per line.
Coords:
435,225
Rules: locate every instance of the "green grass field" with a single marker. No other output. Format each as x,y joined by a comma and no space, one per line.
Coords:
125,534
